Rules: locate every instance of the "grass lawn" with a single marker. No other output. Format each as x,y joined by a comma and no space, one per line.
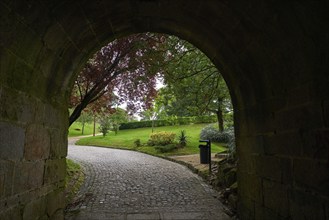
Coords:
76,129
125,140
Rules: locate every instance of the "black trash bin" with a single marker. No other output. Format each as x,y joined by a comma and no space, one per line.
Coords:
204,154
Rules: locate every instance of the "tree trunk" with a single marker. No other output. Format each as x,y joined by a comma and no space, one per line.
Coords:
83,127
94,130
77,112
152,125
220,120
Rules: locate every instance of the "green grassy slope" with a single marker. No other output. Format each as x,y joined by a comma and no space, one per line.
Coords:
125,140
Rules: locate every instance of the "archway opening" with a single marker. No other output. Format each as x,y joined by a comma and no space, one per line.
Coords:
193,92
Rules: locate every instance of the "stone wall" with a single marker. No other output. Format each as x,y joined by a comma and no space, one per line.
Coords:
33,151
33,122
273,57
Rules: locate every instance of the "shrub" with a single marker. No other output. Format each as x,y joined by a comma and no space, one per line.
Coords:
104,126
184,120
211,133
231,145
137,143
170,120
182,138
205,119
161,138
224,137
143,124
227,136
166,148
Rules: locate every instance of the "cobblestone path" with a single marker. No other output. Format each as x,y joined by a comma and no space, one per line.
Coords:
130,185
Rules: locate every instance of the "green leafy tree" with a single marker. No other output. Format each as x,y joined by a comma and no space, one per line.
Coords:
155,112
194,84
104,125
84,118
117,118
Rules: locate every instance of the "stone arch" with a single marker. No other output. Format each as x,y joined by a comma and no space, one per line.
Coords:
273,57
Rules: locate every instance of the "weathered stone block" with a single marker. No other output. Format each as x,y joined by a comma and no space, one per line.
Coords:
24,113
299,95
283,144
47,63
315,143
246,208
6,178
56,117
262,213
28,175
55,170
326,113
251,144
55,36
40,115
55,201
2,185
58,215
276,197
26,44
304,205
37,143
268,167
257,120
45,217
11,214
58,143
294,118
25,83
35,209
11,141
286,171
246,163
250,186
311,175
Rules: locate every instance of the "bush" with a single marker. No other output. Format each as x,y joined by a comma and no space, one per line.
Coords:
161,138
184,120
227,136
182,138
172,120
166,148
231,145
104,126
205,119
143,124
211,133
224,137
137,143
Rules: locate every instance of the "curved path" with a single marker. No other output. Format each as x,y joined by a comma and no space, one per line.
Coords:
128,185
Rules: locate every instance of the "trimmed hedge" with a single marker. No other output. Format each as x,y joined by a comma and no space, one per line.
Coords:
205,119
171,121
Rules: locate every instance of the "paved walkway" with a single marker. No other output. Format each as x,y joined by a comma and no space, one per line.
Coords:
130,185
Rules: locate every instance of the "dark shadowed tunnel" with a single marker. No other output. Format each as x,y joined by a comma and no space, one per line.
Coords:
273,56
